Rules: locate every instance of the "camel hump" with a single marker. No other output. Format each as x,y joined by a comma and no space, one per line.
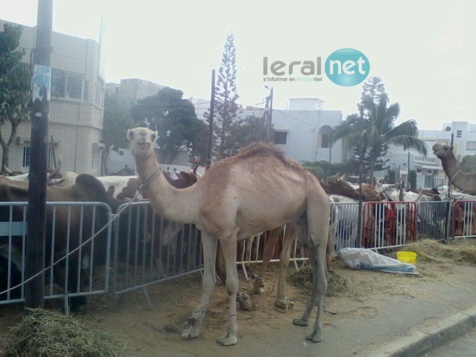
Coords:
260,149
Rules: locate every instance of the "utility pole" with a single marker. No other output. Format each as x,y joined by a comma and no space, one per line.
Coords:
269,115
210,128
36,214
331,138
361,160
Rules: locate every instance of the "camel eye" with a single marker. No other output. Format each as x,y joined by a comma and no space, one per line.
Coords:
445,148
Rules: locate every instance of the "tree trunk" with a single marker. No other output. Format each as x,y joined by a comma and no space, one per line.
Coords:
5,154
105,156
6,145
371,171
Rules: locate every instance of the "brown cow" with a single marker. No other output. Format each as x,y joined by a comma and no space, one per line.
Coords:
63,223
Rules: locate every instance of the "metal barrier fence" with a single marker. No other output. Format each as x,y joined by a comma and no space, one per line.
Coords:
71,255
139,248
388,224
344,225
464,220
251,251
434,219
149,249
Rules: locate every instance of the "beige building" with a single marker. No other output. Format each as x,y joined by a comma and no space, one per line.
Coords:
76,106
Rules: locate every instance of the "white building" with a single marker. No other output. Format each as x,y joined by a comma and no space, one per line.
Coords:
303,132
76,106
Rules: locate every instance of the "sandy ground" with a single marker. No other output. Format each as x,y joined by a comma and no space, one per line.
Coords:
156,332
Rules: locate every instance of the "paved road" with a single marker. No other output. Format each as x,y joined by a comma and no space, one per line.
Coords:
464,346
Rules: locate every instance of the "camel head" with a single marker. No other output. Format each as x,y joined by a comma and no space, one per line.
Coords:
142,141
442,151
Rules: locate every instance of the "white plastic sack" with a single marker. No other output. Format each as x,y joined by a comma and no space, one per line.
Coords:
359,258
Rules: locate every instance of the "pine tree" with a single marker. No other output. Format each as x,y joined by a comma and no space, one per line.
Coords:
226,108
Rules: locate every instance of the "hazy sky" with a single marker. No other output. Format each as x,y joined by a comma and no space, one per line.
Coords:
420,49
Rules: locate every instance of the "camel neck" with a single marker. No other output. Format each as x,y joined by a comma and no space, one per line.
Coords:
450,166
169,202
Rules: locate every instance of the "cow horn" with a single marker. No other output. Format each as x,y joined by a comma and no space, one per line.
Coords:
56,171
7,170
55,182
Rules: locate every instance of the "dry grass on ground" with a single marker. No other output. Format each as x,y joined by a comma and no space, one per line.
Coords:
459,252
52,334
433,261
57,334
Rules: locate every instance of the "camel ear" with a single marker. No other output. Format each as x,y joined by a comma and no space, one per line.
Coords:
130,134
154,135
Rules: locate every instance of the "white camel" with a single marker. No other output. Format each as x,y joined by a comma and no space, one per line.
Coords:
254,191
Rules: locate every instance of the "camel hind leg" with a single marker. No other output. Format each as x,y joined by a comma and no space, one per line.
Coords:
288,239
316,243
258,285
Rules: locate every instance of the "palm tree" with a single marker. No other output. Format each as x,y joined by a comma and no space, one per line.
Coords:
378,131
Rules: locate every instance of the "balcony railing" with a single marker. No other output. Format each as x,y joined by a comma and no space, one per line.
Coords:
430,160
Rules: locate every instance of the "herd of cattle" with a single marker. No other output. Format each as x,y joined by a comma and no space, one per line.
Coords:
386,221
71,224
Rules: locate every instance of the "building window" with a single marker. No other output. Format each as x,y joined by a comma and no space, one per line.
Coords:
471,145
66,84
26,156
459,133
325,142
280,137
429,181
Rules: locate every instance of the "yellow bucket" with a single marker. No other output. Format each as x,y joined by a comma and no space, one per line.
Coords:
407,257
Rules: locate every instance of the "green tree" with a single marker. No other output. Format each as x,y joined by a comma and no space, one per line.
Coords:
468,164
15,88
226,108
244,132
322,169
379,130
316,168
115,124
175,120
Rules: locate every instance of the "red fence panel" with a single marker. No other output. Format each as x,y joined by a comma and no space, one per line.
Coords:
388,224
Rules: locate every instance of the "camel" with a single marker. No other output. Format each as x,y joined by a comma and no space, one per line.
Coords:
257,190
465,182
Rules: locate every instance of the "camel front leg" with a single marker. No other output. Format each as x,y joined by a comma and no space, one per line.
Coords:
228,246
209,244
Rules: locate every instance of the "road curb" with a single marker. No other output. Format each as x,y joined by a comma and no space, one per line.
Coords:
429,338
